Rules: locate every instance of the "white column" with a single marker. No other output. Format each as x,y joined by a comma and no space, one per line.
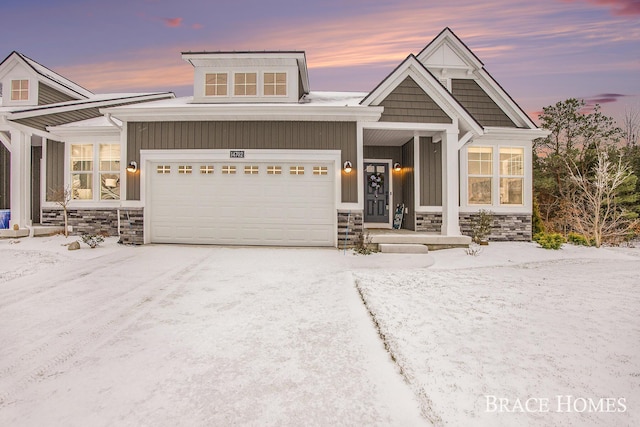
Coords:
450,185
20,179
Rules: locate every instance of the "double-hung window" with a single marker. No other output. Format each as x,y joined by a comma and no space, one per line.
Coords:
480,171
511,175
87,180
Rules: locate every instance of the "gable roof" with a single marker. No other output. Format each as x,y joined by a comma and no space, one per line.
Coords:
448,52
49,76
430,85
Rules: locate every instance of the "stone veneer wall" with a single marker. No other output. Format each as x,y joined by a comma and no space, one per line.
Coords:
356,225
101,221
506,227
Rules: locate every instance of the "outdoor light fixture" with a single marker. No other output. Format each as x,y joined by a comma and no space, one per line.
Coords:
132,167
397,167
347,167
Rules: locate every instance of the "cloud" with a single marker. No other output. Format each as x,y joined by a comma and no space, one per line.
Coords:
619,7
197,26
172,22
603,98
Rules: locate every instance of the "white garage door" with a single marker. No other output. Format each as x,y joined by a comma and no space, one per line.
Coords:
253,203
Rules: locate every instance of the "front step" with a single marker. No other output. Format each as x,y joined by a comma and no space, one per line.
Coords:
403,248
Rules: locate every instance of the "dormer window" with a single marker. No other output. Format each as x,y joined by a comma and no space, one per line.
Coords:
275,84
19,90
215,84
245,84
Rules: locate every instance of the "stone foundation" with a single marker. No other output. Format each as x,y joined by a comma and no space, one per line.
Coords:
355,226
506,227
100,221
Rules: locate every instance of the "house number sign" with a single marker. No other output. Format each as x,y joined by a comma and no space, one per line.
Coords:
236,154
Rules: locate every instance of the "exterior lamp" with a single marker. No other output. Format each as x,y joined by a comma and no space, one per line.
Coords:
397,167
132,167
347,167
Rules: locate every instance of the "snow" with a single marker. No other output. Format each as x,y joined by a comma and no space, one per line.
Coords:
202,335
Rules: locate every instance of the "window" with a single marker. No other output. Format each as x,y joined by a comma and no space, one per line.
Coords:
206,169
184,169
480,171
511,176
215,84
163,169
320,170
245,84
19,90
274,170
109,157
82,171
296,170
251,170
228,170
275,84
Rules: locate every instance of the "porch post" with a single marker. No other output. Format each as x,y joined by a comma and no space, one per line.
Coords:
20,178
450,184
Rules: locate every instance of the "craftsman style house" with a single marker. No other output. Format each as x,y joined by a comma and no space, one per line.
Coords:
255,157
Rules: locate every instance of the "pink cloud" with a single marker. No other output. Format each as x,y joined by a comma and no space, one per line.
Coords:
172,22
619,7
197,26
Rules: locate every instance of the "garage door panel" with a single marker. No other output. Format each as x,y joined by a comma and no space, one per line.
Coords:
243,209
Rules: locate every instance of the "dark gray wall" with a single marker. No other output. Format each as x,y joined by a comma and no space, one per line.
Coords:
243,135
430,172
55,167
48,95
408,186
36,157
479,104
41,122
5,177
409,103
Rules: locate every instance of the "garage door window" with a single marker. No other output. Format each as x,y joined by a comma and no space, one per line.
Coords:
320,170
228,170
185,169
163,169
251,170
274,170
296,170
206,169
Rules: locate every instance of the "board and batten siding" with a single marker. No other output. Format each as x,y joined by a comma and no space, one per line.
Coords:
49,95
479,104
5,177
430,172
408,186
55,167
410,104
244,135
56,119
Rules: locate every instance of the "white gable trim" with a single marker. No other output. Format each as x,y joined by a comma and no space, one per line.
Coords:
448,40
430,85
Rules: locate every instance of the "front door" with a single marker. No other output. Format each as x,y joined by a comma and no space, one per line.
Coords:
376,198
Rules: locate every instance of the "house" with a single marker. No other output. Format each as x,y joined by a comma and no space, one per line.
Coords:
255,157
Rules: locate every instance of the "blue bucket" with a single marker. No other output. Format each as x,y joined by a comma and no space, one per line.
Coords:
5,216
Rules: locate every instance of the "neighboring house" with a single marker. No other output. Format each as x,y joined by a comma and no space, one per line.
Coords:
255,157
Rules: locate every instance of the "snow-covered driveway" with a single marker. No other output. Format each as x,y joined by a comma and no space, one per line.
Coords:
167,335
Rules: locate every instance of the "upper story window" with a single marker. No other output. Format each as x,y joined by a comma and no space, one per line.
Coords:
19,90
215,84
275,84
245,84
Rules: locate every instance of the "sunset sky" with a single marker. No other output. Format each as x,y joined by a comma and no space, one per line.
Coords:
540,51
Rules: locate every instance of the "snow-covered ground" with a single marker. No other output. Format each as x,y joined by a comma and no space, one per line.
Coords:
188,335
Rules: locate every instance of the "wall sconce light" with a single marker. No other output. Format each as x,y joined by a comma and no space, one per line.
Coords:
397,167
347,166
132,167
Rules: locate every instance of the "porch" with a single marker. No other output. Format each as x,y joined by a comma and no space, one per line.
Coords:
392,240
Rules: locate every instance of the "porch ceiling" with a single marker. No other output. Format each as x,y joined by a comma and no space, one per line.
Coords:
390,137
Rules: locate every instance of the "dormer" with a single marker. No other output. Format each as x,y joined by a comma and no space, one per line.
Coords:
248,77
28,83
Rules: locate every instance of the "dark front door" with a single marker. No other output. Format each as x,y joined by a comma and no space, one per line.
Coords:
376,199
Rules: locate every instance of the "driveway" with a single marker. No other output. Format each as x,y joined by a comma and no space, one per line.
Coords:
185,335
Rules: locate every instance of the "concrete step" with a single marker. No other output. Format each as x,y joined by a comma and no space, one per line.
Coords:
403,248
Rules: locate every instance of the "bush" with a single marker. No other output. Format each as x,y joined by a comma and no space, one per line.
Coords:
92,240
363,244
549,240
578,239
481,226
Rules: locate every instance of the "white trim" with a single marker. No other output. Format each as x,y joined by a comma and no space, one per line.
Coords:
390,210
199,155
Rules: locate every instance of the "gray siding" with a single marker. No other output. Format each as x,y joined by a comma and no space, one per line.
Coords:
5,177
48,95
408,186
409,103
430,172
36,157
479,104
55,167
41,122
243,135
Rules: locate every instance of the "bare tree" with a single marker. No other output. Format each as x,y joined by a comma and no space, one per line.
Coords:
631,126
62,196
595,208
